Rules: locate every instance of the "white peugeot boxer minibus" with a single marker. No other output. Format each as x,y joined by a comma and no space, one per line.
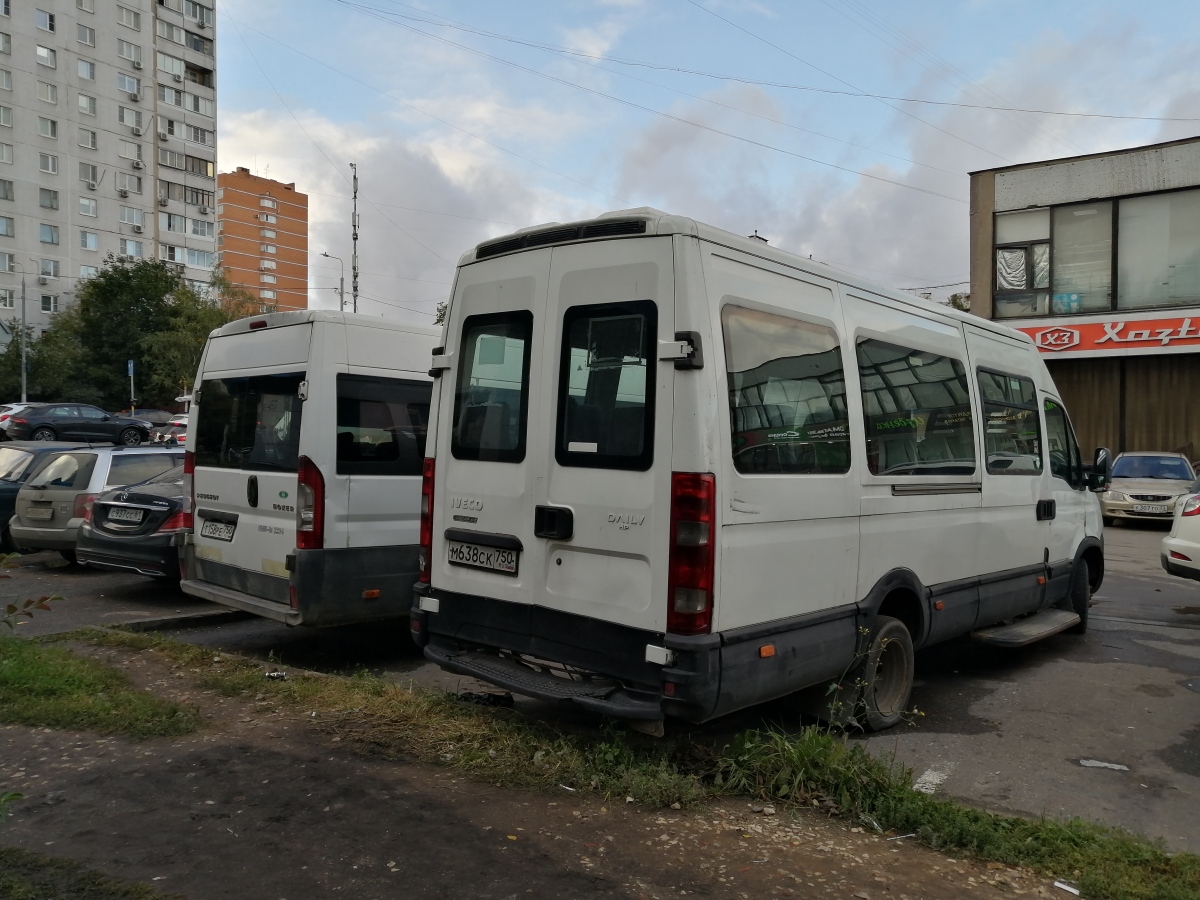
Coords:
675,472
304,459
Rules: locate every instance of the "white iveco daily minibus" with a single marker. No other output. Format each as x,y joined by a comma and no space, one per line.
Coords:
304,457
675,472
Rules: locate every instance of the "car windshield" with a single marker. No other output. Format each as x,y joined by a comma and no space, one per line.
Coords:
1168,467
13,463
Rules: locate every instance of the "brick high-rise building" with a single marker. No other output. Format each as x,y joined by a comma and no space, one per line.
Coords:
108,137
263,237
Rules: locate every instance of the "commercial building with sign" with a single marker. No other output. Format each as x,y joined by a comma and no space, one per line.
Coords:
1097,258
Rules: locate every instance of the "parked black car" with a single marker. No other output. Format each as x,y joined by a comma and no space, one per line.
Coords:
135,527
77,422
153,416
19,460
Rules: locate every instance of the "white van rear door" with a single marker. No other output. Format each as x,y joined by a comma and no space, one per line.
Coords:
602,515
247,444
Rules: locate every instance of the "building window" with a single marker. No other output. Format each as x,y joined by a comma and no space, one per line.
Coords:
47,199
5,80
88,271
6,262
198,197
47,57
1157,259
169,32
6,116
269,218
128,83
202,258
49,303
87,138
129,150
267,248
48,234
6,190
130,117
171,64
200,136
131,216
267,264
47,128
129,18
85,35
196,75
8,298
266,232
8,226
128,182
88,240
87,105
172,158
6,153
1081,258
202,228
174,5
89,172
267,279
88,207
48,268
86,5
197,11
87,69
5,42
198,166
131,52
5,8
130,248
199,44
268,203
202,105
172,222
48,163
266,295
47,92
170,95
170,253
44,20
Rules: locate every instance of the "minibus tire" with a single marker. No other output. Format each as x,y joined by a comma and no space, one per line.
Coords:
889,674
1108,521
1080,595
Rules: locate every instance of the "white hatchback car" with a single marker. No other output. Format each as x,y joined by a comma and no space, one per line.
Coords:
1181,548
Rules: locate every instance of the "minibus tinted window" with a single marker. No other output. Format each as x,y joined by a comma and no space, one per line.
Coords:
787,394
1012,431
1065,461
250,422
381,425
492,395
605,397
139,467
918,411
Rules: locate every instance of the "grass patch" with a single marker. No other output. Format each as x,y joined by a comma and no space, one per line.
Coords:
812,767
47,686
32,876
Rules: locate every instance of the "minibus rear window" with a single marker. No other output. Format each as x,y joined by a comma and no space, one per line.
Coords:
606,386
381,425
250,422
787,394
491,399
917,406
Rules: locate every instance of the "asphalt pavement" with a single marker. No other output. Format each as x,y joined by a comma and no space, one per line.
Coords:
1105,726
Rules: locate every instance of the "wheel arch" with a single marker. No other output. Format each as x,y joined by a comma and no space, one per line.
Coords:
900,595
1091,550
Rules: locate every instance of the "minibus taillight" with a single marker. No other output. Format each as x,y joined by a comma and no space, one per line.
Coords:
1191,506
425,553
693,539
310,506
189,488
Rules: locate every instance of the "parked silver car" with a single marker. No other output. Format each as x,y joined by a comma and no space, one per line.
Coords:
1146,485
58,496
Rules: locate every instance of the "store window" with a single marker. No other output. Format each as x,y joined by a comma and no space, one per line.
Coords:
1158,250
1022,263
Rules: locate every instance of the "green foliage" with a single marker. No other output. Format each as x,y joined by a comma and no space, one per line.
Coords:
45,686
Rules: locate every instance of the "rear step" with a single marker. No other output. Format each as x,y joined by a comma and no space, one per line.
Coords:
608,699
1026,631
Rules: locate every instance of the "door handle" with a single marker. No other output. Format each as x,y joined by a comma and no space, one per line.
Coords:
554,522
252,491
1046,510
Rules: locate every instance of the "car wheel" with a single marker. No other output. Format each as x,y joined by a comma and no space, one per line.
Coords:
69,556
130,437
889,674
42,434
7,543
1080,596
1108,521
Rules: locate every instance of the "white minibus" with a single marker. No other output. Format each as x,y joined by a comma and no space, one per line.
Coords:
675,472
304,459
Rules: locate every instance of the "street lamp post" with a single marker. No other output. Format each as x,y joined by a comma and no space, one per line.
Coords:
24,336
341,280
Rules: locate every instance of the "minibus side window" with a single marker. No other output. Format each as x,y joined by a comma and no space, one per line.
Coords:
917,407
1065,461
250,422
606,386
1012,432
381,425
491,398
787,394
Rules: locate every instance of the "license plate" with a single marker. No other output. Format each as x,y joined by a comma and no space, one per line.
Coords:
40,512
219,531
119,514
491,558
1151,508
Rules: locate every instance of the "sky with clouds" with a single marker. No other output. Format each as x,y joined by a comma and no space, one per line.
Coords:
840,129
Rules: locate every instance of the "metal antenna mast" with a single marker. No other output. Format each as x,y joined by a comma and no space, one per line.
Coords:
354,239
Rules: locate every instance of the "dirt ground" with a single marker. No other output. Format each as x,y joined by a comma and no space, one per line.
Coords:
266,805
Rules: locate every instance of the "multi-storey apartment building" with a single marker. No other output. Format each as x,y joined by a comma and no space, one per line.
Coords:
263,237
107,143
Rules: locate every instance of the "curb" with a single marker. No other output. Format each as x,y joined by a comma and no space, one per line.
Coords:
187,620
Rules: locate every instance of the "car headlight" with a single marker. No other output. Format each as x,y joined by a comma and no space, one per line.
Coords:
1115,496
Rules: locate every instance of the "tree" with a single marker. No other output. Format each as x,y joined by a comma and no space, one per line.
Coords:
439,317
960,301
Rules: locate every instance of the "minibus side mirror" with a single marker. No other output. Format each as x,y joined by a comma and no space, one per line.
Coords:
1101,474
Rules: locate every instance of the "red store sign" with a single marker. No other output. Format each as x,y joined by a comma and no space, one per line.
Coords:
1098,337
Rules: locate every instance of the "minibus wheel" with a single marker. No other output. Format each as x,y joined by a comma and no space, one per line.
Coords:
889,674
1080,595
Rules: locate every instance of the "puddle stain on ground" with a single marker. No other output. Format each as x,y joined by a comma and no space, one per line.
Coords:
1188,610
